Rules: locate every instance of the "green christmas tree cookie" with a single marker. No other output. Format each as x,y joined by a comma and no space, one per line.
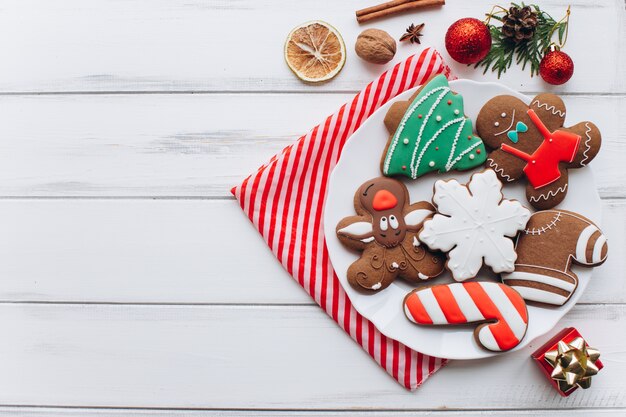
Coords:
432,135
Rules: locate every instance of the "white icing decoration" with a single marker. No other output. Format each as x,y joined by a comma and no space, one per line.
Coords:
486,338
583,162
416,243
510,126
564,271
405,141
422,276
548,226
367,239
549,194
419,135
503,114
496,124
583,240
460,120
357,230
450,164
376,286
438,118
463,299
471,156
495,167
445,231
383,224
395,265
456,111
551,109
393,222
431,164
432,307
415,217
541,296
597,250
406,117
543,279
507,310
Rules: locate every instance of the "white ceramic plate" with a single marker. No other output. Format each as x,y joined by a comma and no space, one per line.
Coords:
360,161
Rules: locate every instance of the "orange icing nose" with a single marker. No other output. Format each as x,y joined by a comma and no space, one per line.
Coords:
384,200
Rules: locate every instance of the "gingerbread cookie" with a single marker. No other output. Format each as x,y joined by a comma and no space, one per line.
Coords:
499,310
430,132
552,240
474,222
531,141
385,230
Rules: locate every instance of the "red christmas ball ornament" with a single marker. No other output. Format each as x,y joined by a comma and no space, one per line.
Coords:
468,40
556,67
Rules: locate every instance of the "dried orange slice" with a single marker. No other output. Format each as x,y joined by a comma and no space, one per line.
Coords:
315,51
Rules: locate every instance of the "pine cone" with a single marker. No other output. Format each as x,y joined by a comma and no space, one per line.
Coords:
519,24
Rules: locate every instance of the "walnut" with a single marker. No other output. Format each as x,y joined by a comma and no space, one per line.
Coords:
375,46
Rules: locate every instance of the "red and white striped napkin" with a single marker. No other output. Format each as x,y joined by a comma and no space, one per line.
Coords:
284,200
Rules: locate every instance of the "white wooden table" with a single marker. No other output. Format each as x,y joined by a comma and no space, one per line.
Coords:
130,281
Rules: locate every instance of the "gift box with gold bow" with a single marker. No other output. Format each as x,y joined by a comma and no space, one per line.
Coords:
568,361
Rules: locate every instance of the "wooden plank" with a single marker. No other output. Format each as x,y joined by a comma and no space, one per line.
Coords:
108,412
194,45
178,251
261,357
194,145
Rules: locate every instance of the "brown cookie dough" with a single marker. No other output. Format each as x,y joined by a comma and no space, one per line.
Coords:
385,230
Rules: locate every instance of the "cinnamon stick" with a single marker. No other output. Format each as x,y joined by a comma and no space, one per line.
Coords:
382,6
393,7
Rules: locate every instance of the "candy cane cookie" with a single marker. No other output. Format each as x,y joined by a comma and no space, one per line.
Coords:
499,311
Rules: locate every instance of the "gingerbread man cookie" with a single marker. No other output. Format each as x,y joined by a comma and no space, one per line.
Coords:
385,230
430,132
530,141
552,240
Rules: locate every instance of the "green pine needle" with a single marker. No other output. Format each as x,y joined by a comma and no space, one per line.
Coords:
529,53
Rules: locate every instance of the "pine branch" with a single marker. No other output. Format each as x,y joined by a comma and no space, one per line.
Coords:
529,53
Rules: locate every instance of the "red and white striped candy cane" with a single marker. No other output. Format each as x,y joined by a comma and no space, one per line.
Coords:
499,309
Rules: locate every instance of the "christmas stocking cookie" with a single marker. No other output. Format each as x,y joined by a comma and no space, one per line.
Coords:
430,132
552,240
530,141
385,231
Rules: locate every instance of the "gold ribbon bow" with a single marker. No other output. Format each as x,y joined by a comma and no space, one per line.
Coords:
574,364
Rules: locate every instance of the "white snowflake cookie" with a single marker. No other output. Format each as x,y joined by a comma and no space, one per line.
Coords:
474,222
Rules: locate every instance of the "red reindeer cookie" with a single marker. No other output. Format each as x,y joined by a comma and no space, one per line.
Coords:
385,230
530,141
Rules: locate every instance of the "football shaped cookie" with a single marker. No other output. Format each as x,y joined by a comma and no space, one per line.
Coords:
530,141
385,230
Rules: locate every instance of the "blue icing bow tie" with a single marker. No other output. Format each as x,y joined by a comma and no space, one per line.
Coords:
512,134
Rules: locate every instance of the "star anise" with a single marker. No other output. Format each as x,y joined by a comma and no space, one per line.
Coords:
413,33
